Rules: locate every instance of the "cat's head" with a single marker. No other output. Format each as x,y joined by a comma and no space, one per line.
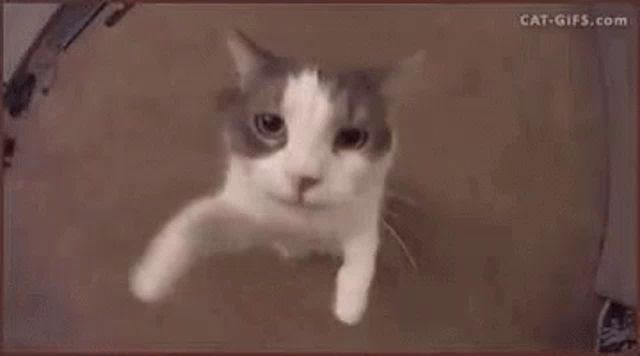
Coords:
305,135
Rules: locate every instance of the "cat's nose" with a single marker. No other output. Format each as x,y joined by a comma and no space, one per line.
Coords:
306,182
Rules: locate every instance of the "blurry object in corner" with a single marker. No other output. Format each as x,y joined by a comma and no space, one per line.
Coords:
18,93
118,14
616,329
73,19
8,150
37,67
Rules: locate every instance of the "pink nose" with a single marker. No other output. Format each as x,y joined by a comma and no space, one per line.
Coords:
305,183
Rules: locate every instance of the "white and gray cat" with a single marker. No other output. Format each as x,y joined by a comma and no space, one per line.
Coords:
309,151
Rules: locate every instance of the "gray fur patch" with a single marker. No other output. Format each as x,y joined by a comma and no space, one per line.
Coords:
262,94
363,107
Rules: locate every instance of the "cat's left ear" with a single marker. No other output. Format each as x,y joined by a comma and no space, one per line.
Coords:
247,56
400,78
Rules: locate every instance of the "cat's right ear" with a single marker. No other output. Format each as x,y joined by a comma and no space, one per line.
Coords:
400,78
247,56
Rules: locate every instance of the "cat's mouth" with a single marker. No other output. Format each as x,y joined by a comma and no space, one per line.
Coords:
299,202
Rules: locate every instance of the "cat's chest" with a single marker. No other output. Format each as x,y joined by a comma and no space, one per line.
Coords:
308,223
302,233
313,223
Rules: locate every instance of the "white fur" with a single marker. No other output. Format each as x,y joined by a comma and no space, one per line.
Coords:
343,208
170,254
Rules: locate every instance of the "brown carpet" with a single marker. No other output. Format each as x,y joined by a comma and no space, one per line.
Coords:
502,152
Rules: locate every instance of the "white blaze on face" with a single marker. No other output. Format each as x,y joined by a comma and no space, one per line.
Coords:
307,109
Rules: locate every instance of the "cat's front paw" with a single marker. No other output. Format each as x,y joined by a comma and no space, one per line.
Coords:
349,308
146,287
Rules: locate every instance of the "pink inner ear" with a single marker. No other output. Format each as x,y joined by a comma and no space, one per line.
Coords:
403,74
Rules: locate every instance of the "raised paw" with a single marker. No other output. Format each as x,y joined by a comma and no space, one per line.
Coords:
146,287
349,307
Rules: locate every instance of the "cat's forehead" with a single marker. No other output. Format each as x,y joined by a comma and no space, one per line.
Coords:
349,93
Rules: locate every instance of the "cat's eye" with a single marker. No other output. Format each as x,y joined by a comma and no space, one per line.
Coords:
269,126
351,139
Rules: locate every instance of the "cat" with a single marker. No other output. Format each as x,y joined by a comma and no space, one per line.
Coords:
309,150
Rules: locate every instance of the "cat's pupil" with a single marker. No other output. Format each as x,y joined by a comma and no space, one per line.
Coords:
268,124
272,123
351,138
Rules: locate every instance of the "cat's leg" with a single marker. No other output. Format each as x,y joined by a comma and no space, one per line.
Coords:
201,226
355,275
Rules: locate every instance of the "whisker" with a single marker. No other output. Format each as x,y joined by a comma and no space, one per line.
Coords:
389,212
403,246
400,198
